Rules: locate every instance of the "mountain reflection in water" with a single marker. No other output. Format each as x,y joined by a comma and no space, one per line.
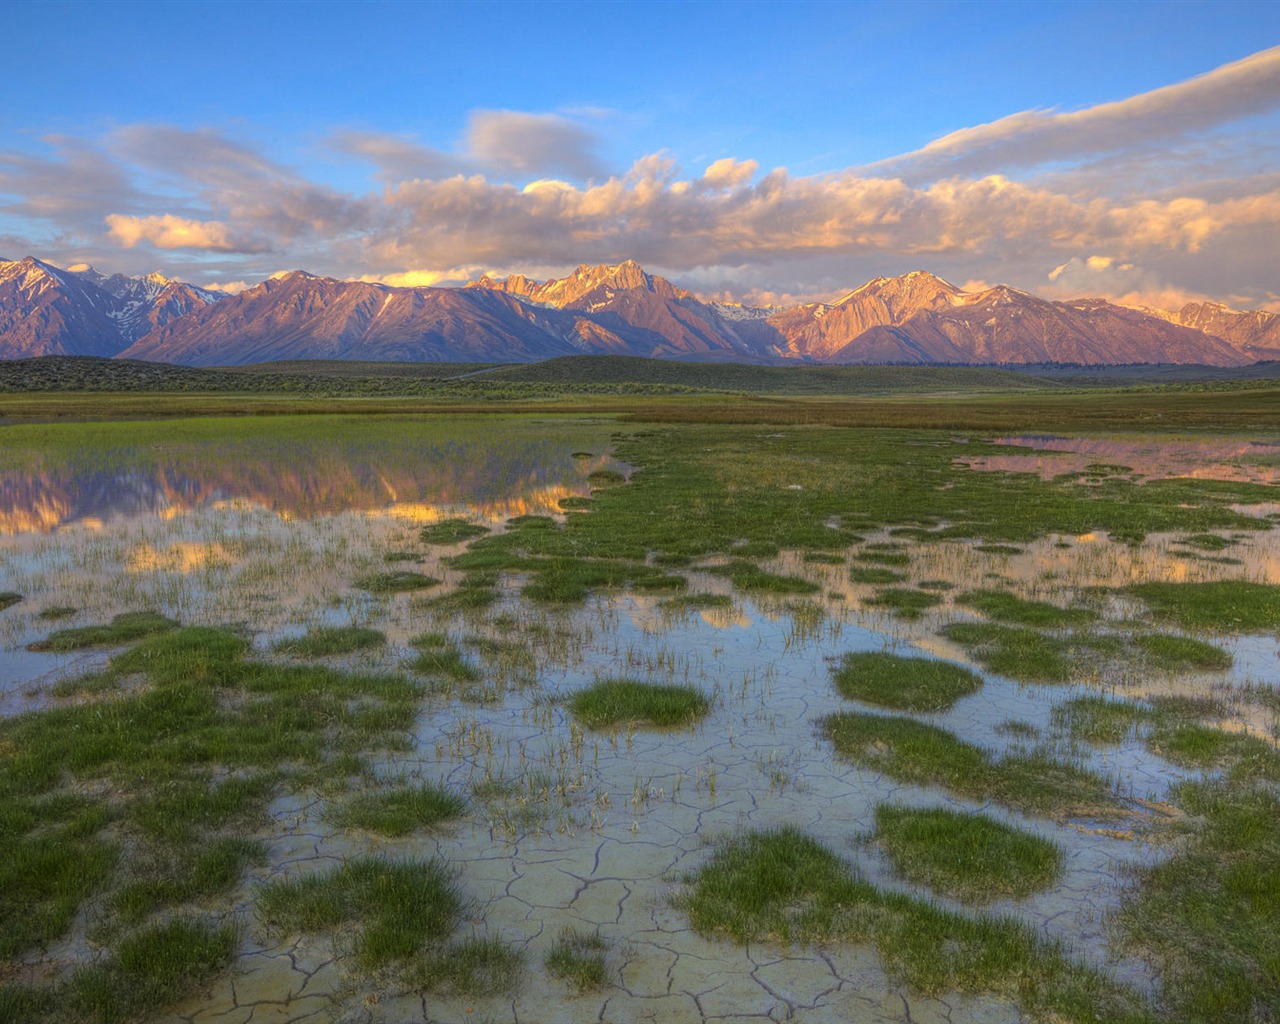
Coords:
297,481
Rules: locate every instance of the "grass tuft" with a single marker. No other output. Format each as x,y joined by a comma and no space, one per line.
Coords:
1005,607
123,629
966,855
396,582
1182,653
452,531
400,811
399,906
1228,605
628,701
905,684
874,575
926,755
905,602
749,577
578,958
321,641
783,886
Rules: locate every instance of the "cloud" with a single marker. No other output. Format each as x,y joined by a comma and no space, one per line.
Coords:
169,232
729,172
527,192
541,144
426,278
498,143
69,186
401,159
227,287
1034,137
202,155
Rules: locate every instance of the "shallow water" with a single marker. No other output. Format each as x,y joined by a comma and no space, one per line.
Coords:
1242,460
599,828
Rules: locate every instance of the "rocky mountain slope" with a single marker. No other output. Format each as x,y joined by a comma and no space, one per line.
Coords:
1254,332
615,309
48,311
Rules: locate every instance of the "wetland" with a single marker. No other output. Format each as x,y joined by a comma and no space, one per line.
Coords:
606,715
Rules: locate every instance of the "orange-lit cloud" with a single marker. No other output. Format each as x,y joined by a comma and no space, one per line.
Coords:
170,232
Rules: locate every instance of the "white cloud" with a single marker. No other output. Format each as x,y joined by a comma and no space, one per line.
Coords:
1034,137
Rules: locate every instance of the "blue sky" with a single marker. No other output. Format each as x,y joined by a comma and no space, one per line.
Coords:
225,141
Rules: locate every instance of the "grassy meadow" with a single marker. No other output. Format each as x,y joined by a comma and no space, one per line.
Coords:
687,691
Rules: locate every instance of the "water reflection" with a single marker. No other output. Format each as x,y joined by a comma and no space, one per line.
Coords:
1231,459
417,482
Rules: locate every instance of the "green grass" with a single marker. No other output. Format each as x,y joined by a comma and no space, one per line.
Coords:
55,612
904,684
437,656
885,557
1192,745
904,602
399,811
8,599
612,702
1182,653
160,830
927,755
1018,653
578,958
750,578
398,907
123,629
469,967
192,873
1207,914
782,886
452,531
1101,720
51,860
695,602
606,478
151,968
874,575
322,641
1228,605
1206,541
396,582
965,855
1005,607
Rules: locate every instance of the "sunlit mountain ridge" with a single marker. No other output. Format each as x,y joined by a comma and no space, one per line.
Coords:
617,309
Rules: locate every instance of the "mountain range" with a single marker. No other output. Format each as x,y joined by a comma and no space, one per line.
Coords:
617,309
